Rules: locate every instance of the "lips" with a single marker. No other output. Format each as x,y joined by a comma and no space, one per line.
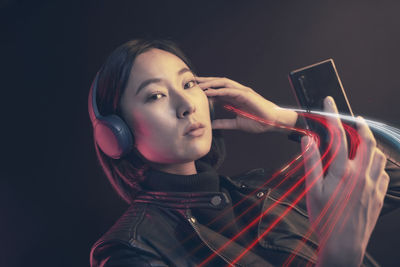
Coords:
193,127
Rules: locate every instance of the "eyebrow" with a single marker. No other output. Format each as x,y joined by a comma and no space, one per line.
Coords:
157,80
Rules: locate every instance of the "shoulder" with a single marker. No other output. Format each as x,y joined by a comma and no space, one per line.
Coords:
117,253
124,228
122,244
144,233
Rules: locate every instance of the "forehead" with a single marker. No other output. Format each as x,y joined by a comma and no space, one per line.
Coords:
156,63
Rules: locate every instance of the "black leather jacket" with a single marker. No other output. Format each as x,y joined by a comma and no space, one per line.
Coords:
147,234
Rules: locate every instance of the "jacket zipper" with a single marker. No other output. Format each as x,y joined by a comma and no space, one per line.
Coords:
196,229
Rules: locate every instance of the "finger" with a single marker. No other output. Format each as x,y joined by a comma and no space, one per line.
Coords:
383,183
204,79
207,79
232,93
367,145
226,124
378,164
219,82
312,166
338,137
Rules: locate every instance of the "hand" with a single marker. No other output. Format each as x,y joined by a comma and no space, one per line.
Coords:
364,184
247,100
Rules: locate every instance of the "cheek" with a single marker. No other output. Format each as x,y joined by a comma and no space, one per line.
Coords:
146,123
153,130
204,104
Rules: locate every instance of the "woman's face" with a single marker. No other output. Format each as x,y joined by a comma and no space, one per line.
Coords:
161,102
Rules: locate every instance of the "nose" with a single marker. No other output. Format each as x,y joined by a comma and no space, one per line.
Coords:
185,106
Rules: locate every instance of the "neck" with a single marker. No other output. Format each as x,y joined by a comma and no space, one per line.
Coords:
186,168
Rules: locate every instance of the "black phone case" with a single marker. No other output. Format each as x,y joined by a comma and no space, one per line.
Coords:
311,84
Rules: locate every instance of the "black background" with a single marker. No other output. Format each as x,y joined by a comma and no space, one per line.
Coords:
54,199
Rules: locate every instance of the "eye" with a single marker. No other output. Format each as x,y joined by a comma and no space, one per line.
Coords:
190,84
155,96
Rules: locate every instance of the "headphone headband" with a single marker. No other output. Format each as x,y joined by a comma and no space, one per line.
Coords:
92,104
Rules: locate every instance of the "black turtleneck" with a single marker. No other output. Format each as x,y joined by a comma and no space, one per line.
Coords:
205,180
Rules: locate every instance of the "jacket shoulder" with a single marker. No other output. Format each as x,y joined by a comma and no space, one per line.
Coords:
125,228
120,245
116,253
143,234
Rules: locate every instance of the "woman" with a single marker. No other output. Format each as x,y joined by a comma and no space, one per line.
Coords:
162,156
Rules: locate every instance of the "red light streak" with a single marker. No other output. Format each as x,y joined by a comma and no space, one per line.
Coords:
287,175
344,202
352,152
265,212
354,141
289,191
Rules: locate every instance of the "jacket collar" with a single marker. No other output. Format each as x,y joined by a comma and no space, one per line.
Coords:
210,199
184,200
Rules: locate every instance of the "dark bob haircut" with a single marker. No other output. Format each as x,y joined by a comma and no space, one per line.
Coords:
127,173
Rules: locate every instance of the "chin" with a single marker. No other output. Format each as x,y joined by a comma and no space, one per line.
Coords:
192,153
202,154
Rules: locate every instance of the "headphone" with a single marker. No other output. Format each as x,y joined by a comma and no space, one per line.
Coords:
111,133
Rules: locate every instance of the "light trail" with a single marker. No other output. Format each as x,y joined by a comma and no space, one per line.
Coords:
391,134
252,223
300,197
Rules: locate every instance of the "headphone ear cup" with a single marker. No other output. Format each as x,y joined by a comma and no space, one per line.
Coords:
113,136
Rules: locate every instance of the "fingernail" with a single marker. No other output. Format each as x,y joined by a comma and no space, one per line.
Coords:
329,100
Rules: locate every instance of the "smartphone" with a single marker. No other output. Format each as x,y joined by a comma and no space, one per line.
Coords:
311,84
